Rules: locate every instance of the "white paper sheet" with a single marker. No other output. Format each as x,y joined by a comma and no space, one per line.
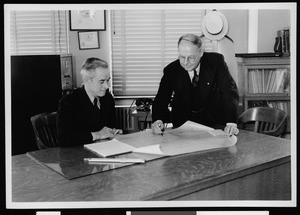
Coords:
190,137
110,147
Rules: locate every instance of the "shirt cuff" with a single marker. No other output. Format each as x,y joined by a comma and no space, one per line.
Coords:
94,136
231,123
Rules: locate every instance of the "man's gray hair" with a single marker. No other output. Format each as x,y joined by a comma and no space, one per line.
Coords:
88,68
192,38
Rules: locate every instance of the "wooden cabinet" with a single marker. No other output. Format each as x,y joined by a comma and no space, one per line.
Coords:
265,81
66,72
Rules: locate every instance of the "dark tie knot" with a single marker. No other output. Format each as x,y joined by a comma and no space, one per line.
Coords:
96,102
195,78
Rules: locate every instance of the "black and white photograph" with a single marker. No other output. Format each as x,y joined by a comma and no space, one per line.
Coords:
150,106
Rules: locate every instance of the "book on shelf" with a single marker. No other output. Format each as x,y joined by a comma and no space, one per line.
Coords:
286,41
282,105
279,80
272,81
268,81
283,37
259,80
250,82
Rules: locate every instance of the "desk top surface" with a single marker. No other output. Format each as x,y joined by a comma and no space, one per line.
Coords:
160,179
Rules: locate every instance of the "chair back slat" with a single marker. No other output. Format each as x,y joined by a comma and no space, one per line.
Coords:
266,126
261,126
45,129
273,126
48,135
256,126
53,134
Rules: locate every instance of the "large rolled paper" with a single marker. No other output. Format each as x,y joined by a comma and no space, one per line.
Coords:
190,137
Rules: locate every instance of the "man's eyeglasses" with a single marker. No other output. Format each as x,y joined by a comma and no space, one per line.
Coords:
191,59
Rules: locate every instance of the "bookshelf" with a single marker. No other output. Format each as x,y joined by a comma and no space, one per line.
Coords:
264,80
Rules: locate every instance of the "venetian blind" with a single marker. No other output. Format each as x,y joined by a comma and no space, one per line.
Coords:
38,32
143,43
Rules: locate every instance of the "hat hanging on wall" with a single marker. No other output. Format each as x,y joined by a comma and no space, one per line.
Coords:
215,26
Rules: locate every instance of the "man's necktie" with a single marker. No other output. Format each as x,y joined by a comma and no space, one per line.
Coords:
96,103
195,78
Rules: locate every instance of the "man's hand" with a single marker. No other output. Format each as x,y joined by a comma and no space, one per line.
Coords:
231,129
106,133
158,127
117,131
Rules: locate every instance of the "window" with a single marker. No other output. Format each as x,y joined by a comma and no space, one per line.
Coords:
38,32
143,43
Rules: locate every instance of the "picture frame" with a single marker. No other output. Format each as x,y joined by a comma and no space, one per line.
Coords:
85,20
88,40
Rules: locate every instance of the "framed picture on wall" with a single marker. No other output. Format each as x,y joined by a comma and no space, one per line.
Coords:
88,40
81,20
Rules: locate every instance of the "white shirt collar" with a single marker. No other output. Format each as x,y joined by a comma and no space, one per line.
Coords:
89,95
191,73
198,69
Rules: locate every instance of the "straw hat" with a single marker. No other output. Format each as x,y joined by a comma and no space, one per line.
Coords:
214,25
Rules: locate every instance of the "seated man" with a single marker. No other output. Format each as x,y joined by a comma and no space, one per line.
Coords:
202,88
88,113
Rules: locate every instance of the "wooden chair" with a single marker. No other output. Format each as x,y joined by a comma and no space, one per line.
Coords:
270,121
45,130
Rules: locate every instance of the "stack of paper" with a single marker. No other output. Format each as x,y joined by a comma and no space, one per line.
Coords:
109,148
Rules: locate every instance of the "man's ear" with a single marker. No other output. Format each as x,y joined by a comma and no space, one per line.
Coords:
201,51
86,79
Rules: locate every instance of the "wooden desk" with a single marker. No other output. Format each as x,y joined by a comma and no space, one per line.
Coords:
257,168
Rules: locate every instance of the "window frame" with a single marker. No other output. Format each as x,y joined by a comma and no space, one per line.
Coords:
167,47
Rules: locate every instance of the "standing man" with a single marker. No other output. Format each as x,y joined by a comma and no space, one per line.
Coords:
199,87
88,113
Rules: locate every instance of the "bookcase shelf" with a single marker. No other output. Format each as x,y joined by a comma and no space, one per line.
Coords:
268,96
265,81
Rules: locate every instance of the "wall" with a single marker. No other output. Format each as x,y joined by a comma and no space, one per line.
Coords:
238,28
237,31
270,21
79,56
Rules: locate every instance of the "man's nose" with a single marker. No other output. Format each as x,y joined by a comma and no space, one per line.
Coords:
185,61
106,84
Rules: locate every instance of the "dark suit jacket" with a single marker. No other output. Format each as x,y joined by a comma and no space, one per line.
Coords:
216,89
77,117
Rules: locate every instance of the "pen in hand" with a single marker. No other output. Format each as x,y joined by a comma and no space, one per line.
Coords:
115,132
162,129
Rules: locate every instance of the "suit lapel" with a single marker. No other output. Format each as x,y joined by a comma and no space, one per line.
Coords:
184,85
205,77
